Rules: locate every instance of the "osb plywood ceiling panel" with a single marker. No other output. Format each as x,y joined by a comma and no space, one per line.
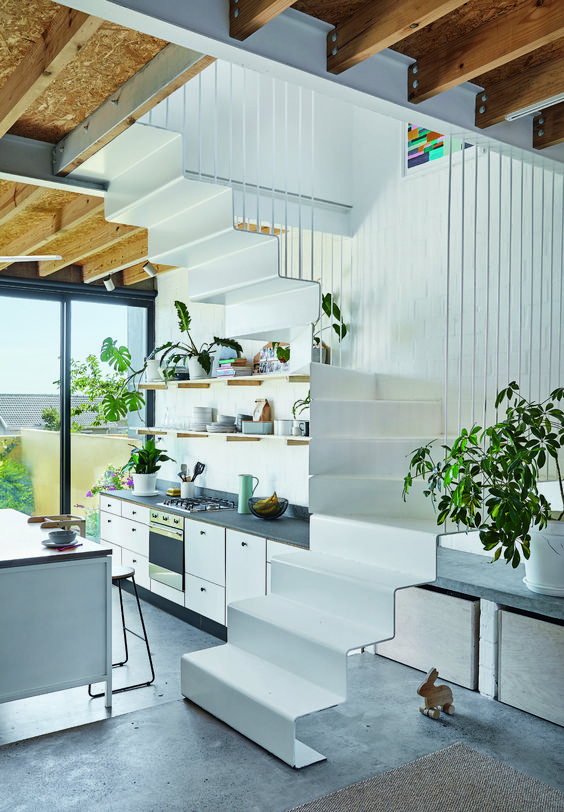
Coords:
21,24
105,63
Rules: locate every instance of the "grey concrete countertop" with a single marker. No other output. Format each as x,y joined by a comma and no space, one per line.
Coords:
465,573
286,529
476,576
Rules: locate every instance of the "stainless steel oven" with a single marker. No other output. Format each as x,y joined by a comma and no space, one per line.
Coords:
166,548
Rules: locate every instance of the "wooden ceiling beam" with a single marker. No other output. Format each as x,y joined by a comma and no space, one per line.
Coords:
43,62
548,127
531,25
379,24
128,252
85,243
522,90
70,216
17,199
247,16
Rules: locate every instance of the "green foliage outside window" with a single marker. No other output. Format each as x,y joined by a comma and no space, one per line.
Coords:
16,489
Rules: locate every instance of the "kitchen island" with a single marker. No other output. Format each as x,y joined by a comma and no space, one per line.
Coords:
56,613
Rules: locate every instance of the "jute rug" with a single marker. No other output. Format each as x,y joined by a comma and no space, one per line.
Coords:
456,779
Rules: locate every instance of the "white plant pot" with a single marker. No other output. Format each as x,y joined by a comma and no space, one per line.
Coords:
153,372
544,571
195,369
144,484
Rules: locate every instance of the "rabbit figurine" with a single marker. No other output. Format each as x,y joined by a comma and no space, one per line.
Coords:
437,697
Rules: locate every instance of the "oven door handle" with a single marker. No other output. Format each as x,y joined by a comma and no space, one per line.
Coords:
170,533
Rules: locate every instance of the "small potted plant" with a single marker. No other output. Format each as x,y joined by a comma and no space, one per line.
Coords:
144,463
319,351
182,353
300,426
490,480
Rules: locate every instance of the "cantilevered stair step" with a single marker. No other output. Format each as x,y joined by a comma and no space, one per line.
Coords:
301,638
363,456
358,595
350,495
255,697
405,546
375,418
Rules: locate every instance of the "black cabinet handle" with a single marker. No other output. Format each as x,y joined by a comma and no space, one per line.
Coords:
202,589
244,544
202,532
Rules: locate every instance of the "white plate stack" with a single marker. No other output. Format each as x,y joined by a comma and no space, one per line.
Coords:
225,424
201,416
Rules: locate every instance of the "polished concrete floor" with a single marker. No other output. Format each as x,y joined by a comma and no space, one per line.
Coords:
156,751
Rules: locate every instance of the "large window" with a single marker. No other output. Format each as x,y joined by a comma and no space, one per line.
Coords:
54,442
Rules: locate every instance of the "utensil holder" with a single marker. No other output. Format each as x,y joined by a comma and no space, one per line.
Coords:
186,490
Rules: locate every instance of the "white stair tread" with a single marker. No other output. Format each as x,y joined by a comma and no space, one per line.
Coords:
282,691
347,568
332,631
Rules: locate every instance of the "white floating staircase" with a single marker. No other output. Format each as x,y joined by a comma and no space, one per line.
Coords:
286,654
190,225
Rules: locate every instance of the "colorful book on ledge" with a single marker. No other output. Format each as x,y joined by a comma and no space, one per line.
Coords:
233,367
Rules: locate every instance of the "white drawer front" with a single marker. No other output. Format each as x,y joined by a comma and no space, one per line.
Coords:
135,537
138,513
140,564
205,551
116,552
110,504
205,598
110,527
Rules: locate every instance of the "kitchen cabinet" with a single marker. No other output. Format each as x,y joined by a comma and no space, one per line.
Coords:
125,527
245,566
204,546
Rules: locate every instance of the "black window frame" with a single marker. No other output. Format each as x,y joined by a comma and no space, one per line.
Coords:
67,293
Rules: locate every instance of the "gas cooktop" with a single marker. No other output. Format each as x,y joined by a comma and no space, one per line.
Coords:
193,504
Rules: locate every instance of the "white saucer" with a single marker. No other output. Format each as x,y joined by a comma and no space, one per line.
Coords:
56,544
543,590
152,493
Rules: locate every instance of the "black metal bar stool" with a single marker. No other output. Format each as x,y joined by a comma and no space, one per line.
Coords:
120,574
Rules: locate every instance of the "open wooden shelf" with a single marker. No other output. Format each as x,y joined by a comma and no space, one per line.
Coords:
229,437
205,383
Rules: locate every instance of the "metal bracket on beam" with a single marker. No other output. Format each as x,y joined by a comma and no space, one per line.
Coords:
170,68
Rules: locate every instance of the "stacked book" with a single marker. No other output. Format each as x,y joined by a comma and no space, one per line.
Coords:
233,367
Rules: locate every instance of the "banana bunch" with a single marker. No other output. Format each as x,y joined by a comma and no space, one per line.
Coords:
266,507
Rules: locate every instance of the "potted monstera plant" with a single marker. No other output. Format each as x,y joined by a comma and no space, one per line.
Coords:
187,353
490,480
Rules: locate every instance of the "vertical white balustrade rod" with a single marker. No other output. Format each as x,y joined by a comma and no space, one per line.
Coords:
258,148
244,147
510,268
447,297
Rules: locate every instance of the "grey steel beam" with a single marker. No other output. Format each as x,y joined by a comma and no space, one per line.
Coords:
24,160
169,69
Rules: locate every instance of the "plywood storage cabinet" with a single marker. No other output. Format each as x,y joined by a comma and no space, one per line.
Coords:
531,664
435,629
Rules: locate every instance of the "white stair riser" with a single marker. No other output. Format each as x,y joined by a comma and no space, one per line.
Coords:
219,278
374,418
361,456
366,496
302,656
386,546
274,315
359,603
330,382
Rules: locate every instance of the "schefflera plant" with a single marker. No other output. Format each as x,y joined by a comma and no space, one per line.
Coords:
488,479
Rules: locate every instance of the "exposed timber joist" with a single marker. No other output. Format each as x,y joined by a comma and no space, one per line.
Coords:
135,273
16,200
521,90
529,26
43,62
170,69
77,248
247,16
128,252
379,24
548,127
70,216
